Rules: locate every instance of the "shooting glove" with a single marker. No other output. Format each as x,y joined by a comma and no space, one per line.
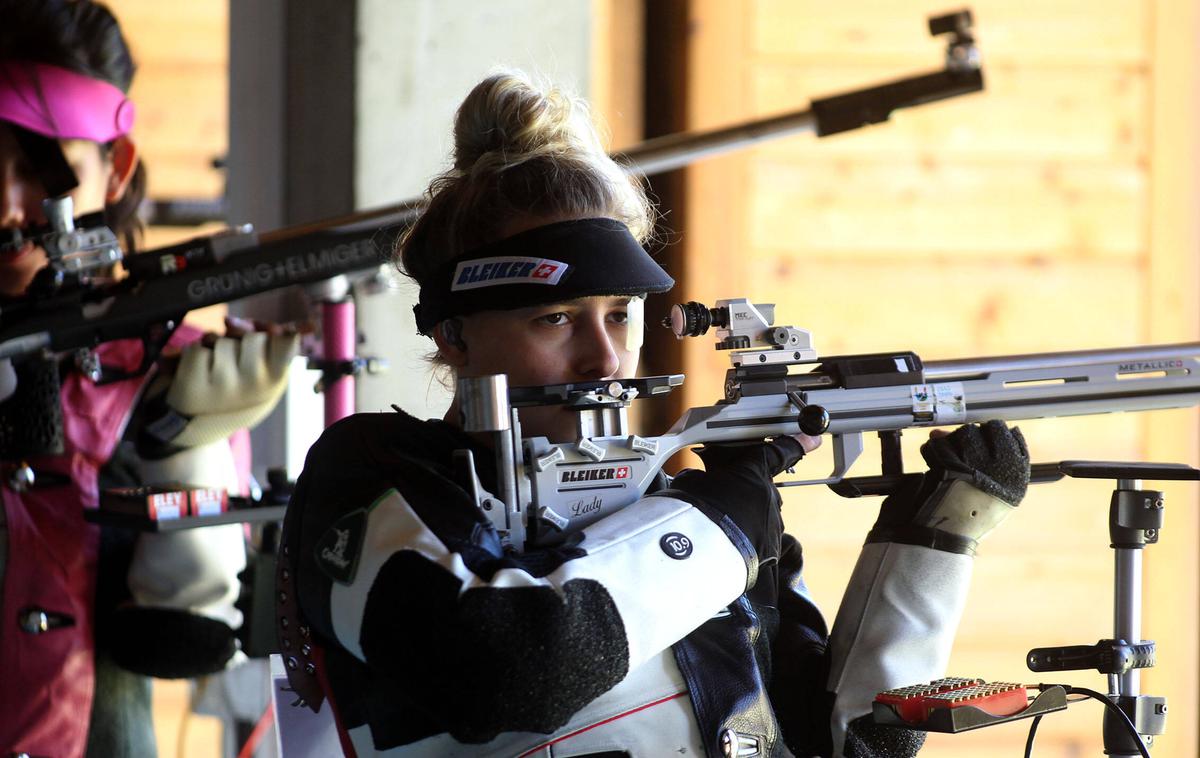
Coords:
977,475
735,487
215,391
897,619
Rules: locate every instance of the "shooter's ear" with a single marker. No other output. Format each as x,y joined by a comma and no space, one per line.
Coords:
448,336
124,157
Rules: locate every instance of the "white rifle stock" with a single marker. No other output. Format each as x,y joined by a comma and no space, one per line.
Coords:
779,386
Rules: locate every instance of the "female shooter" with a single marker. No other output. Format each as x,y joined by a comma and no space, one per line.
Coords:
74,606
433,638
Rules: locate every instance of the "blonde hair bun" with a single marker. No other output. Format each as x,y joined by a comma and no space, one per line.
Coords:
522,151
507,118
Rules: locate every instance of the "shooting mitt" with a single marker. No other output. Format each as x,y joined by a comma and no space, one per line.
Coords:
977,476
217,390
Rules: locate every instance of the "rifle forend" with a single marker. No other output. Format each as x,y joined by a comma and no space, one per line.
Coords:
73,310
775,384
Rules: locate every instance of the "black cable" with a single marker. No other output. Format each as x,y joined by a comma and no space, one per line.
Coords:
1032,731
1110,705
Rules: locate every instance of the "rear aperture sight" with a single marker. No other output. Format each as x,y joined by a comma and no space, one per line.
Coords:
692,319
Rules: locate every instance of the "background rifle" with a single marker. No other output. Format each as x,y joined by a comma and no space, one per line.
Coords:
548,490
69,306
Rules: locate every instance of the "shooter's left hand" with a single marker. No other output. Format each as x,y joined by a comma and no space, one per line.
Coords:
221,384
977,476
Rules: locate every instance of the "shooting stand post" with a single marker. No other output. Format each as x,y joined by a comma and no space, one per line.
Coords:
1135,519
1131,720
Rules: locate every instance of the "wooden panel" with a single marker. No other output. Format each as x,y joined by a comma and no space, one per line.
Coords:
1053,32
1172,572
182,127
945,208
183,175
157,32
618,51
1095,114
716,188
952,310
181,106
178,732
181,92
1055,210
161,236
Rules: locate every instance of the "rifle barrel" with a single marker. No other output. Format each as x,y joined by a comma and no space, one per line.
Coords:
949,370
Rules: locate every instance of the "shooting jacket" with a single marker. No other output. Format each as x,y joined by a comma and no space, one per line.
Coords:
46,688
434,641
47,676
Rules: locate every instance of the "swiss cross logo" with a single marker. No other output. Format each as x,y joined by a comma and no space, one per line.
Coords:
622,472
544,271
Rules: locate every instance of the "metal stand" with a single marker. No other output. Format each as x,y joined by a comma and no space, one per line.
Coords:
1135,519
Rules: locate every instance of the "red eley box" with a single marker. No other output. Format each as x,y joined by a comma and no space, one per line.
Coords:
208,502
165,502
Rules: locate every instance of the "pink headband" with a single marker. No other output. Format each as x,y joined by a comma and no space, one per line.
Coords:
55,102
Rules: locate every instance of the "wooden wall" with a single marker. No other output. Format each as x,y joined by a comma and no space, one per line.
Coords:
1053,211
181,92
616,87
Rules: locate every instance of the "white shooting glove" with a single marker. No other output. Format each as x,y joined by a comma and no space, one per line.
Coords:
217,390
898,617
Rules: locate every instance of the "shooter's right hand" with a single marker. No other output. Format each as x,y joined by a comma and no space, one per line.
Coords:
735,490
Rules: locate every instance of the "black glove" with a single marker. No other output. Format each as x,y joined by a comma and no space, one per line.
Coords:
735,488
991,456
977,475
167,643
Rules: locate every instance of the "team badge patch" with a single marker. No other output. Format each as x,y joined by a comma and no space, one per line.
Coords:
676,545
489,272
339,548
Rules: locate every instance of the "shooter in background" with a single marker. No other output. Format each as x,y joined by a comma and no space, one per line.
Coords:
432,638
75,608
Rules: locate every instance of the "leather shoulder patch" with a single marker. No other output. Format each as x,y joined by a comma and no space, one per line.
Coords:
338,550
